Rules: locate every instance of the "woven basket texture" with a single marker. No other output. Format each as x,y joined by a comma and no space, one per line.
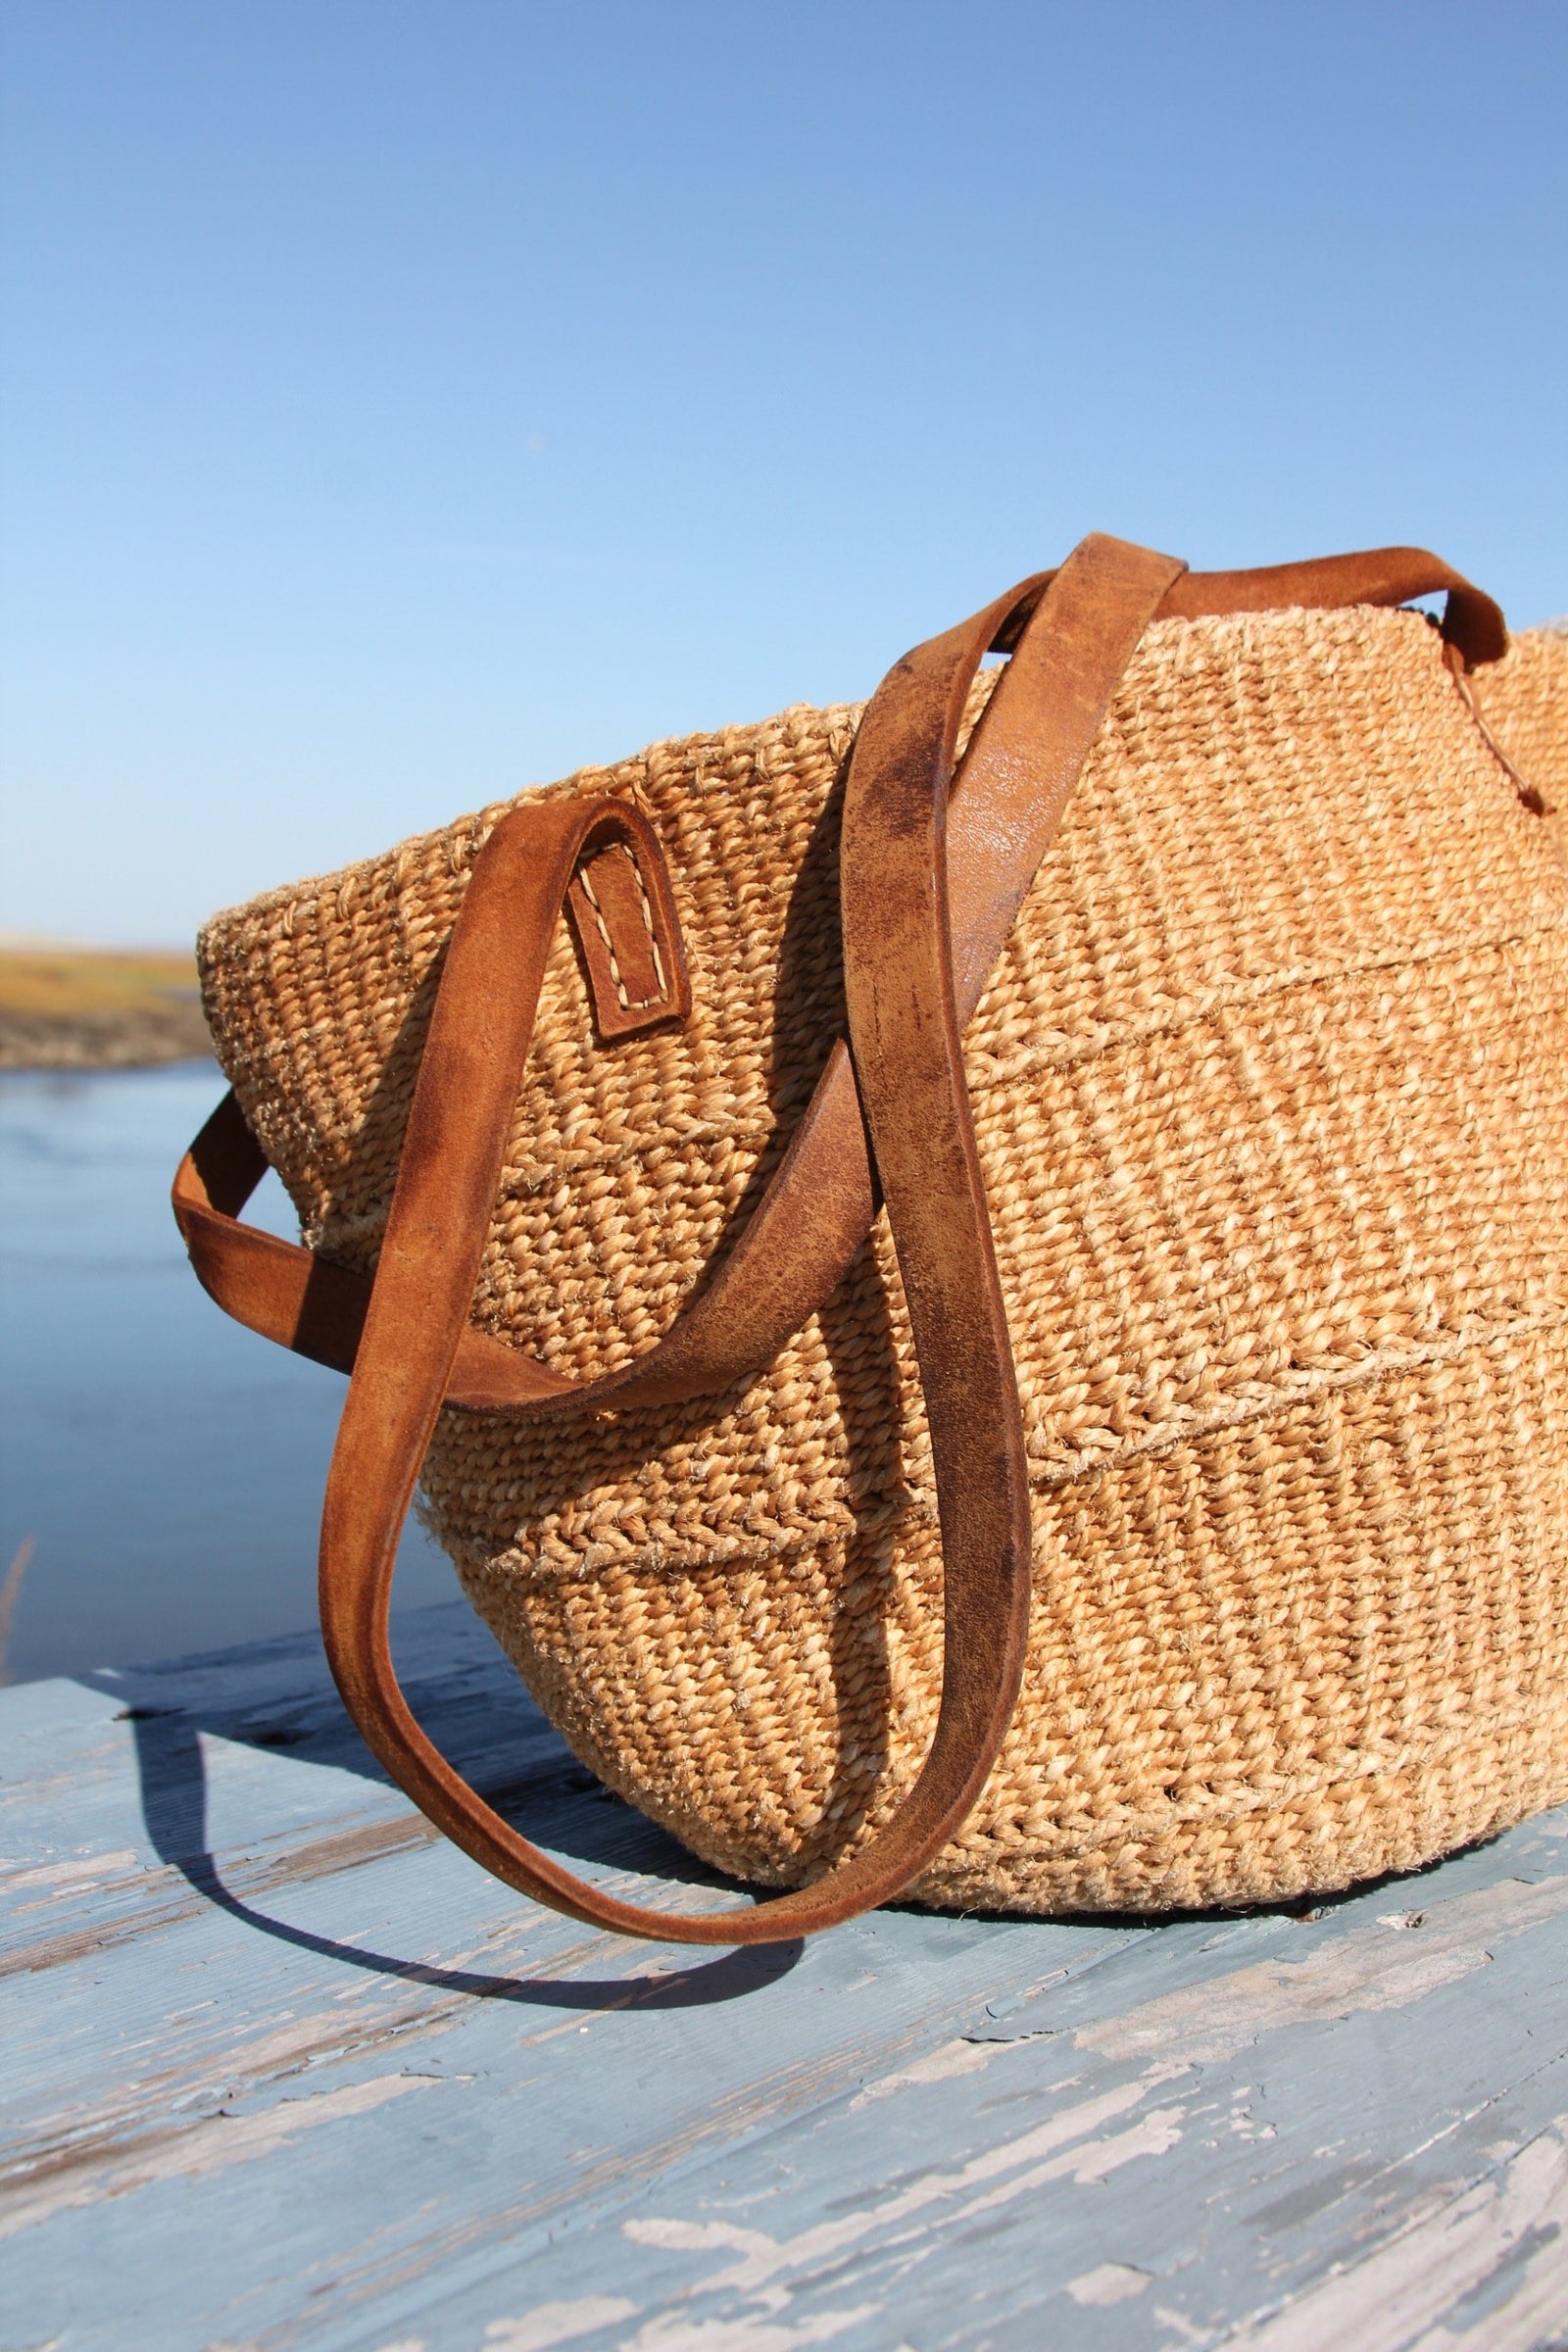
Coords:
1271,1093
1524,700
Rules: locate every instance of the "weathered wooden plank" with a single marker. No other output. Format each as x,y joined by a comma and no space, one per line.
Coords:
285,2071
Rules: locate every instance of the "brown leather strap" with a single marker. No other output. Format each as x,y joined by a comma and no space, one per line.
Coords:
1378,575
815,1215
440,1216
914,967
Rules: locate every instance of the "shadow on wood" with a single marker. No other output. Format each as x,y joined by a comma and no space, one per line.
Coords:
490,1727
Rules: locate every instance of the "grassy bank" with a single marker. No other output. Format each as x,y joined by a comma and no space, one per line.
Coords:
88,1008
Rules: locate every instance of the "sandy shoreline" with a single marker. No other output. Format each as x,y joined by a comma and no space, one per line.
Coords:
79,1009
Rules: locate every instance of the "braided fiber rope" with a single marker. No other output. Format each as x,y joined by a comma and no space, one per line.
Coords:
1271,1094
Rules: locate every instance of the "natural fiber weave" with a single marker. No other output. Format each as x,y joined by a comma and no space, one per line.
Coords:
1524,700
1271,1093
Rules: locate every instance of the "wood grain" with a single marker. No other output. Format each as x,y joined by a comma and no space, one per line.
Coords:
285,2071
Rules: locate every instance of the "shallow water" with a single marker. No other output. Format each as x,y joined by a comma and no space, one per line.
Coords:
166,1464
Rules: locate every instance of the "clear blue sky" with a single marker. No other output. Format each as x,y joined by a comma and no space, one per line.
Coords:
407,402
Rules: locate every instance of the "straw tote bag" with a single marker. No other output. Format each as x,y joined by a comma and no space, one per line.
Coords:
1008,1347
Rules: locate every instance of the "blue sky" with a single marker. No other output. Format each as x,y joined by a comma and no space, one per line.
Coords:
403,402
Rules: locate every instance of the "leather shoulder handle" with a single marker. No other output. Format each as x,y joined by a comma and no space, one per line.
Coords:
905,1031
1379,575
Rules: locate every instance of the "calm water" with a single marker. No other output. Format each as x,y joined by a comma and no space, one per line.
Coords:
167,1465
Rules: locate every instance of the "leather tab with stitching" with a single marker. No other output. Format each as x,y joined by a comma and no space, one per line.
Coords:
629,938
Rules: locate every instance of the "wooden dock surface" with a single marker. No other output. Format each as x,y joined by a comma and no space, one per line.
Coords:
283,2069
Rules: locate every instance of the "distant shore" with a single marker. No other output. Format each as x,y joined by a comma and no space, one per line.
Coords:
88,1009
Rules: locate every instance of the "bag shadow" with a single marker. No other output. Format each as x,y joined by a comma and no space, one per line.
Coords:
277,1696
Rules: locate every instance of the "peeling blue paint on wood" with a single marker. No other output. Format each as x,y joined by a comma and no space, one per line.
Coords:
284,2070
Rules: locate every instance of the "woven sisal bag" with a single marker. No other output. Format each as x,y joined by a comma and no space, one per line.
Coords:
1214,1300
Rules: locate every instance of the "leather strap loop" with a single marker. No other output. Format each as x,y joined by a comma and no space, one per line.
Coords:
439,1220
1378,575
